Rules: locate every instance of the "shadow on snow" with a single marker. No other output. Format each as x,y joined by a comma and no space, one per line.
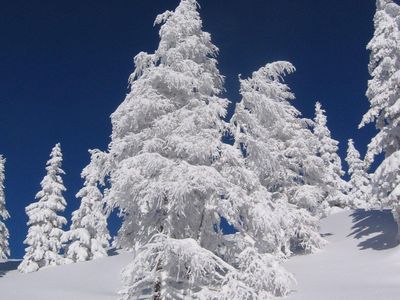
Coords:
379,224
8,266
112,252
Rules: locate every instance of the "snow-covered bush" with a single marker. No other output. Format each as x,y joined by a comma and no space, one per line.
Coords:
45,225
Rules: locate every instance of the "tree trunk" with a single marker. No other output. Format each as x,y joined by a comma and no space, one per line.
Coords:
158,283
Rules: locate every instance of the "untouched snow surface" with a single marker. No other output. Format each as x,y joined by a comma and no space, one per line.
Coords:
96,280
361,262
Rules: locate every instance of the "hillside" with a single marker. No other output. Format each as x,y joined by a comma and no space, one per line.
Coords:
96,280
361,261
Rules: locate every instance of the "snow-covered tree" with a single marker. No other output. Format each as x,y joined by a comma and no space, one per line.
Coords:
384,97
386,186
336,188
273,151
270,221
278,144
360,194
383,92
45,225
4,235
174,180
88,237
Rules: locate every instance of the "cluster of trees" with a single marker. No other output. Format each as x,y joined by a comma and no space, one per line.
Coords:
174,180
47,243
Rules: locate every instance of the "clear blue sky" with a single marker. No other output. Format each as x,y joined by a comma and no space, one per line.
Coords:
64,67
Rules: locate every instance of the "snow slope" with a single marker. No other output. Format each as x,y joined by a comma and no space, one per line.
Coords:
361,262
96,280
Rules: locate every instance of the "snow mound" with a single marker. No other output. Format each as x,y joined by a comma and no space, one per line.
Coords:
361,262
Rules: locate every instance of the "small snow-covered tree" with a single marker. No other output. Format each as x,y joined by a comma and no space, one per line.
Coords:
384,97
4,235
278,143
88,237
174,180
360,193
45,225
335,186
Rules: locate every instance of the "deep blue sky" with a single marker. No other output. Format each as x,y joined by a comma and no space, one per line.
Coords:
64,67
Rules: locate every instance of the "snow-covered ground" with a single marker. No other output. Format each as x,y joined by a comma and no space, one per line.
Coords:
361,262
96,280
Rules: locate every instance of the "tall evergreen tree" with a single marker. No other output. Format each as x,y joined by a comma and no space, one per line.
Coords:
360,193
45,225
383,94
88,237
384,97
335,187
278,143
270,133
4,235
174,180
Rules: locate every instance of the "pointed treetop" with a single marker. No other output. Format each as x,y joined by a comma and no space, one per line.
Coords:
56,151
180,28
320,117
353,158
322,131
184,46
185,11
176,27
351,148
54,163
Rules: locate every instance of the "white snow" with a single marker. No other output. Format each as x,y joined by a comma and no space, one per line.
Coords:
361,262
94,280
